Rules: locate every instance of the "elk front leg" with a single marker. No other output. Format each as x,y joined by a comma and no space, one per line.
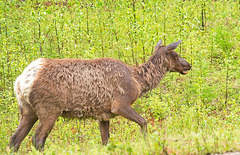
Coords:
128,112
104,130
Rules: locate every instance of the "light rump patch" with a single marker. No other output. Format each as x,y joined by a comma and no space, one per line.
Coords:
24,82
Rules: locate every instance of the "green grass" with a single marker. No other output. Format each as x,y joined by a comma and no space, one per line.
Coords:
193,114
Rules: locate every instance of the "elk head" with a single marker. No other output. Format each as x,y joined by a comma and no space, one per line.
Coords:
174,62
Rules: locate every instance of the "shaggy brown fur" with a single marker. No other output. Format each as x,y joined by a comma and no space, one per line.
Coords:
100,88
81,88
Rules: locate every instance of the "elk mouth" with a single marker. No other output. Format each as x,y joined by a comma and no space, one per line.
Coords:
185,71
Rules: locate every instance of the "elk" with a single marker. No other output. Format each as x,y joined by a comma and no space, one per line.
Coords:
77,88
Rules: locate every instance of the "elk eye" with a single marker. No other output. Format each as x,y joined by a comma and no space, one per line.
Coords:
176,57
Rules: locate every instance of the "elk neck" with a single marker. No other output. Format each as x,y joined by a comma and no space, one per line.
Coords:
150,74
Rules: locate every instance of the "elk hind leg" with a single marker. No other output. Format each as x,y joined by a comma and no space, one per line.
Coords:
44,128
27,120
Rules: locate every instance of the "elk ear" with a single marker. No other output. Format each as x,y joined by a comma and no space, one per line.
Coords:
158,44
173,46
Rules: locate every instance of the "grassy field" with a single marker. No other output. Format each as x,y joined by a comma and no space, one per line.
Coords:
193,114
